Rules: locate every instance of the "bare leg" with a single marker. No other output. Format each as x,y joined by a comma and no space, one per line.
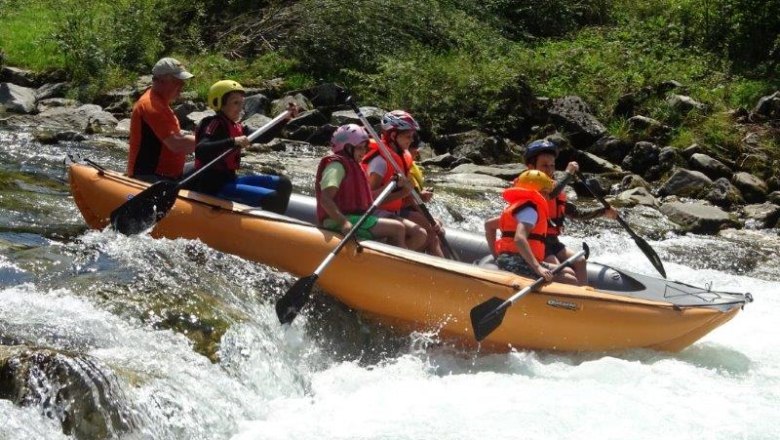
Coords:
393,230
433,244
416,236
580,266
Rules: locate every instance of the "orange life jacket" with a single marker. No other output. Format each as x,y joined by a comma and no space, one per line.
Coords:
556,209
520,198
404,163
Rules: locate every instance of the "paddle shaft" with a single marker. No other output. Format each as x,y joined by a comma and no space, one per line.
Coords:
254,135
415,195
382,196
644,246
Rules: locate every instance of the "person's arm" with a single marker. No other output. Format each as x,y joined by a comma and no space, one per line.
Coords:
491,226
180,143
329,205
521,241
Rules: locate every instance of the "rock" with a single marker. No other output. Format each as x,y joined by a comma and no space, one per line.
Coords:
17,99
280,105
73,389
683,104
724,194
48,103
123,127
753,189
479,147
255,104
636,196
667,86
774,197
713,168
590,163
468,181
769,106
325,95
650,126
88,115
309,117
642,158
764,215
20,77
506,172
575,118
51,90
106,143
698,218
633,181
317,135
372,114
668,159
445,160
690,151
194,118
686,183
256,121
182,110
625,106
611,149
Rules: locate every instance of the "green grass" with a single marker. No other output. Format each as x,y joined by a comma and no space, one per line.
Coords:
24,35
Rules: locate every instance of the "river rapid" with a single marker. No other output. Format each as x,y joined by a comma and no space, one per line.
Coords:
183,343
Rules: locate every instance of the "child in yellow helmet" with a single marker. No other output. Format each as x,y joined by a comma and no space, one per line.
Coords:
223,131
523,227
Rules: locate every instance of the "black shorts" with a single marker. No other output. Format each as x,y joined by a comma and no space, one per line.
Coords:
516,264
552,246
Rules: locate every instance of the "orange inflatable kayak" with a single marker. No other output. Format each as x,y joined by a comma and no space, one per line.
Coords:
618,310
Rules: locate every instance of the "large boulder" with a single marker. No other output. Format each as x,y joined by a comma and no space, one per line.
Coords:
683,104
87,118
642,159
611,149
769,106
686,183
373,116
698,218
764,215
636,196
255,104
575,118
506,172
479,147
753,188
724,194
713,168
17,99
591,163
281,104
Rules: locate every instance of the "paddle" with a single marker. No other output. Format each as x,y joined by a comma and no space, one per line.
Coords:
415,195
643,245
152,204
298,295
487,316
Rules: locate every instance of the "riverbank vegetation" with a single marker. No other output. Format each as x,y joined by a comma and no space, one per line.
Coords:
457,64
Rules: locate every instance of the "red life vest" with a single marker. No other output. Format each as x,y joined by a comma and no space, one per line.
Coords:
353,195
232,161
520,198
404,163
556,209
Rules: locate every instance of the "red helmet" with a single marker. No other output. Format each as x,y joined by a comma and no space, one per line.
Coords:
399,120
350,134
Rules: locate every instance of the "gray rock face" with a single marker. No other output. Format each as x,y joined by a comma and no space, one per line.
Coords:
255,104
753,188
764,215
698,217
445,160
713,168
611,149
194,118
505,172
636,196
280,105
478,147
769,106
590,163
724,194
642,158
684,104
17,99
686,183
20,77
72,389
576,119
85,118
468,181
307,118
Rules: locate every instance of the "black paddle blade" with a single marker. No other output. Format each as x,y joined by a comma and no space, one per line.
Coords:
145,209
655,260
486,317
297,296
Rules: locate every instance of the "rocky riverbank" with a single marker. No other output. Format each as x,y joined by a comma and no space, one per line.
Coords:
700,189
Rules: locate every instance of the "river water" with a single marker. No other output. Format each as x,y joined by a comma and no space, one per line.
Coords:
144,313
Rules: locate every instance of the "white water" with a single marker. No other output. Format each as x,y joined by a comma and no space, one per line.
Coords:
276,383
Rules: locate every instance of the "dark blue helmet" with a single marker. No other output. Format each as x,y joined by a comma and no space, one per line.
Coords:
538,147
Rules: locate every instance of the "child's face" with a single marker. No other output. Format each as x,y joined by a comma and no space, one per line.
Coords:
404,139
360,150
233,106
544,163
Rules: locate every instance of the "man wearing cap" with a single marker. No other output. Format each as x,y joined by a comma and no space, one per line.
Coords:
540,155
158,148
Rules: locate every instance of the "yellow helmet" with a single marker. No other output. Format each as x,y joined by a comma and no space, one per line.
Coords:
534,180
219,89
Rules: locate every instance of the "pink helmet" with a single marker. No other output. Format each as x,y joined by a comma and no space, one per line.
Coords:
350,134
399,120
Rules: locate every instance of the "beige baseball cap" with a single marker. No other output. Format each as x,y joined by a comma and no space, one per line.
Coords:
171,66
